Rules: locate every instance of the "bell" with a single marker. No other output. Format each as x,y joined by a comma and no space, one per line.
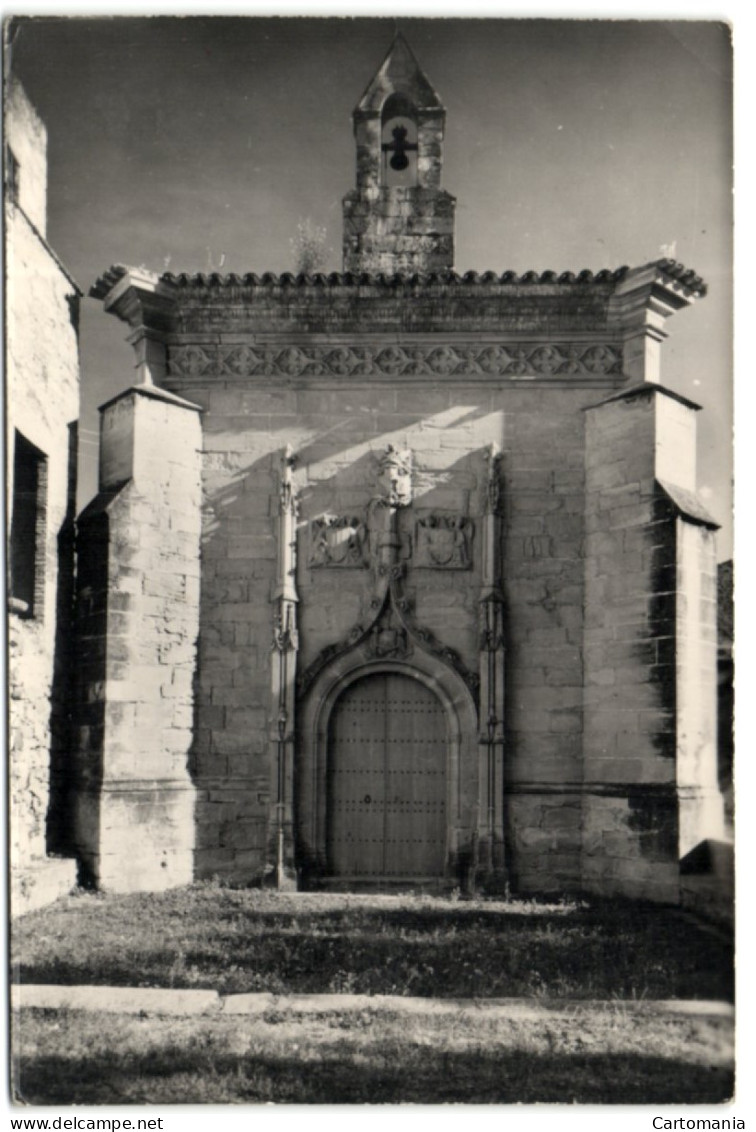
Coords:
399,159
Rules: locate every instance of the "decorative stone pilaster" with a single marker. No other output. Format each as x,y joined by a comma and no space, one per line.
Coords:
490,865
280,869
137,626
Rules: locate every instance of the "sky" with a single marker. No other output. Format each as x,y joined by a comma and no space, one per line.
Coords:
199,143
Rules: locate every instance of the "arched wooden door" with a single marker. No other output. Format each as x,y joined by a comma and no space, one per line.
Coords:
386,780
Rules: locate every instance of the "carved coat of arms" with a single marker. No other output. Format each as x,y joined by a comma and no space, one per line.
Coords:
388,638
444,542
338,541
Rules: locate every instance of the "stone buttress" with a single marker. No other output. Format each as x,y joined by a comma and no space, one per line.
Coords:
137,624
649,729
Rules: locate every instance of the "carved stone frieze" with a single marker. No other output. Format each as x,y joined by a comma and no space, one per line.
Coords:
443,541
525,359
338,541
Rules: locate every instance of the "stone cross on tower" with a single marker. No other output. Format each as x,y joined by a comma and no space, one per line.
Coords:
399,219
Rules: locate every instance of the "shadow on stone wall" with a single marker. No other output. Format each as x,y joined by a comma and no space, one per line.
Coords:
82,781
59,829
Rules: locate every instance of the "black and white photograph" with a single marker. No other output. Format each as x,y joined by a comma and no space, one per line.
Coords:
369,542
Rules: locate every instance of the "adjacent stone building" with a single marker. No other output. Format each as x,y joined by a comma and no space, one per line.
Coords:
397,576
42,407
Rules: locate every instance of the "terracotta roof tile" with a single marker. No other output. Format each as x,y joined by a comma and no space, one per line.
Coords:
675,272
347,279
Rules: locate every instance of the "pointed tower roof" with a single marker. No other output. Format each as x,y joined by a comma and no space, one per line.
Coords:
399,73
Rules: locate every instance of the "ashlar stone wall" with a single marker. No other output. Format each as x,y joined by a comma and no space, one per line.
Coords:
338,434
42,406
543,584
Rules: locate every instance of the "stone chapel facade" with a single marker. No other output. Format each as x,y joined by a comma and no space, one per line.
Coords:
397,576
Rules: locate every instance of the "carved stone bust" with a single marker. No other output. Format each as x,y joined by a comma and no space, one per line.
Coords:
395,476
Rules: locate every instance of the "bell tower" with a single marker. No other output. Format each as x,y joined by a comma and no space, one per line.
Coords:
399,219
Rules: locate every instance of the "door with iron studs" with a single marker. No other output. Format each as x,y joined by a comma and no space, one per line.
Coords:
386,780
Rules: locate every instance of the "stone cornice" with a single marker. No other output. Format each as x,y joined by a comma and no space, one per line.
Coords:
155,394
546,325
648,295
105,283
137,296
677,284
687,505
675,277
645,389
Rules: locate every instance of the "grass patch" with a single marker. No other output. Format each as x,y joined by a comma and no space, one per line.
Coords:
587,1054
241,940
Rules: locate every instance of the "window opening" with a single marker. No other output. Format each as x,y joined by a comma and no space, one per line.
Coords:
28,527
